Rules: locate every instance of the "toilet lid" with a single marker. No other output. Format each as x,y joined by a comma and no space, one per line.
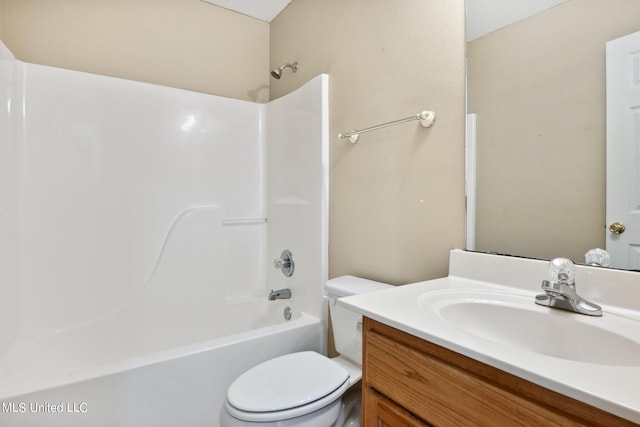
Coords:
286,382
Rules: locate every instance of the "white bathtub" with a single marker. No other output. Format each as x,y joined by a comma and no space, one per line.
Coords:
111,385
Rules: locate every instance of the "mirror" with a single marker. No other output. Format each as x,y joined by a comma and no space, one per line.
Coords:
536,87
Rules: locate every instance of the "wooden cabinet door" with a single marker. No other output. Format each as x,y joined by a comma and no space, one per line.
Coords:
382,412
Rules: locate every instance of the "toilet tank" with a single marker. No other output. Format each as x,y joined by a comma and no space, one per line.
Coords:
347,324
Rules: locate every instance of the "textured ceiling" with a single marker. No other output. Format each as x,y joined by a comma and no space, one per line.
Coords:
486,16
264,10
483,16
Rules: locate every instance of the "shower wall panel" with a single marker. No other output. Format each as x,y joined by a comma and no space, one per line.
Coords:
108,168
117,194
297,188
9,146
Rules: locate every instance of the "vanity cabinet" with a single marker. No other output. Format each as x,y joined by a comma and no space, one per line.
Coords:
408,381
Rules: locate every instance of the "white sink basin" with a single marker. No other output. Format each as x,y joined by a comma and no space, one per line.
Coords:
514,320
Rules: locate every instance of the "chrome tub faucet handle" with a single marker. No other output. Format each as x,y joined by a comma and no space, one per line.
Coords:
285,263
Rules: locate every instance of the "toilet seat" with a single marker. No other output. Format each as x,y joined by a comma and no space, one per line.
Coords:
285,387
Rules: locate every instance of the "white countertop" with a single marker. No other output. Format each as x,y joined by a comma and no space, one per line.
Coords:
615,389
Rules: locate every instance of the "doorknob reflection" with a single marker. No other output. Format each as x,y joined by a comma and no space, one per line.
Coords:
617,228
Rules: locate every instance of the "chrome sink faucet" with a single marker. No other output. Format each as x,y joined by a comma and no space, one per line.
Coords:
560,292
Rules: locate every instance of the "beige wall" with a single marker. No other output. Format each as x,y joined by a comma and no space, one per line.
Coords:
538,88
2,19
186,44
397,197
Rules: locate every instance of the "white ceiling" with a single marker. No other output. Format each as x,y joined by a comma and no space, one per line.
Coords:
486,16
483,16
264,10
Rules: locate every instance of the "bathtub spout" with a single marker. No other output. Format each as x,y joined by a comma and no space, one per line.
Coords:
279,294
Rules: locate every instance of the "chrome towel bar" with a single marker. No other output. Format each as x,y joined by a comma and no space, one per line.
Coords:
427,119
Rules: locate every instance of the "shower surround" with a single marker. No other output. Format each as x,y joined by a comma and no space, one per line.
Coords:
138,227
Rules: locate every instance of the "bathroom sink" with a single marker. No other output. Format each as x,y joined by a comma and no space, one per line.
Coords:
515,321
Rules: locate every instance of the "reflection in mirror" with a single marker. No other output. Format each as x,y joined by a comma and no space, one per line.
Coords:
537,88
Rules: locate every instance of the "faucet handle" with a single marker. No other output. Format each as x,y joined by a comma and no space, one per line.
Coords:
281,263
562,270
285,263
598,257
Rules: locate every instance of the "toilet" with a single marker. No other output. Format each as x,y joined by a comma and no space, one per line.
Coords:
307,388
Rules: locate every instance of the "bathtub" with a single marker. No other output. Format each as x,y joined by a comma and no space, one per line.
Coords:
164,356
51,380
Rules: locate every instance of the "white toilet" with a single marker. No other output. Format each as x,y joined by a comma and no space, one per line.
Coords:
306,388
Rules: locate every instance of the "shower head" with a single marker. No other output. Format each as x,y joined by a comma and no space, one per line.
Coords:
276,73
